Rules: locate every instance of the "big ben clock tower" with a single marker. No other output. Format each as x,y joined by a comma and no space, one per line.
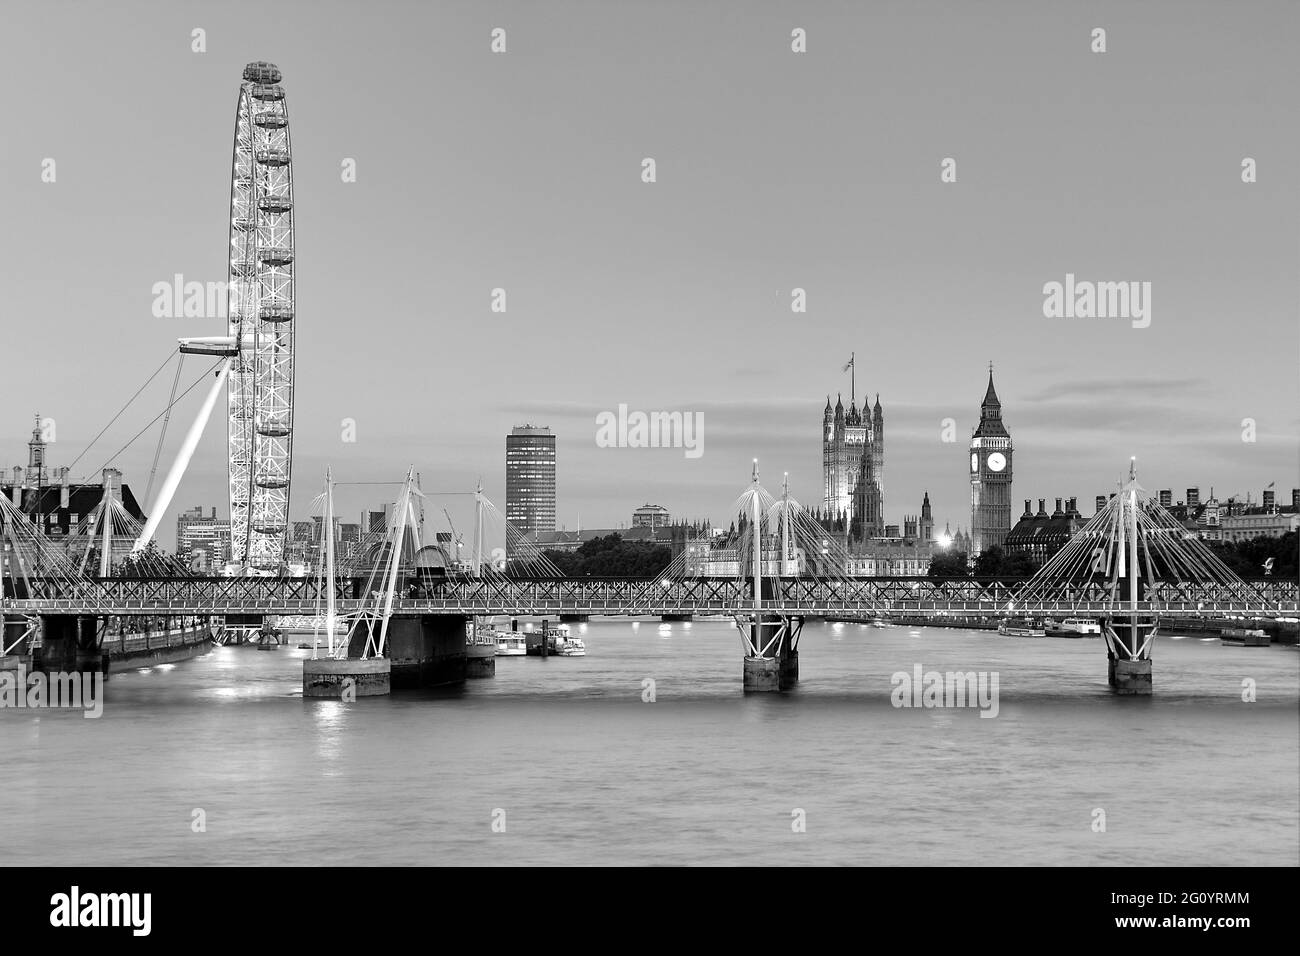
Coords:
990,475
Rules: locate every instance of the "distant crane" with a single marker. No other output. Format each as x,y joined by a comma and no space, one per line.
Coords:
1239,499
456,537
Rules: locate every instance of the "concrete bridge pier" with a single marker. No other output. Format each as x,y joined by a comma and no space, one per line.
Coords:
480,661
761,671
789,667
1130,678
761,674
346,679
425,651
789,652
1128,652
772,654
69,643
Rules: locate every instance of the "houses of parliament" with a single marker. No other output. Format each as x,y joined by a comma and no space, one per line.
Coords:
853,468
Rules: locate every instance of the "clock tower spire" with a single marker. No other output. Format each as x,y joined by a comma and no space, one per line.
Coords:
990,474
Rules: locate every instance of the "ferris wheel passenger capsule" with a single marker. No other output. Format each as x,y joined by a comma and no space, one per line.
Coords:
262,73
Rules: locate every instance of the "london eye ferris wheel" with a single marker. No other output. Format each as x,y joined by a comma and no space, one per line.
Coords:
260,308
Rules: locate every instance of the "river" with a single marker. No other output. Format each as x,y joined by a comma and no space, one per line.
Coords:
220,760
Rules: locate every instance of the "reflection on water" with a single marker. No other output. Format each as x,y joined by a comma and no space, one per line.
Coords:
587,772
331,724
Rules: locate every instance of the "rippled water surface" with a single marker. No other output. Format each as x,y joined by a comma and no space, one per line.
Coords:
565,753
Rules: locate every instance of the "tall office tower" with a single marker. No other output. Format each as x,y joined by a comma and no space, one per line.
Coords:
530,480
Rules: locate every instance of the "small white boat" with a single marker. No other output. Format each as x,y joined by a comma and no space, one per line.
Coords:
506,643
510,644
573,647
1025,629
1073,627
1243,637
564,644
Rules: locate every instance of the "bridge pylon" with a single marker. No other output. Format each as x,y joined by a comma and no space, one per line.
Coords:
1131,563
1129,636
770,638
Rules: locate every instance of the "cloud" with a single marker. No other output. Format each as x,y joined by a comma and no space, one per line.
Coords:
1117,390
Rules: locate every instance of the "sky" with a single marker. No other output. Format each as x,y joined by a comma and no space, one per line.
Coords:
775,171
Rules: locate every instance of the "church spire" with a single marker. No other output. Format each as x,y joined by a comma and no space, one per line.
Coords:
36,455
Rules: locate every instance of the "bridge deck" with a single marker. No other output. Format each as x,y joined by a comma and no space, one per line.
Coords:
620,596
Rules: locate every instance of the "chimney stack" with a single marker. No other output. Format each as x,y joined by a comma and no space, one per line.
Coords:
1057,513
1042,508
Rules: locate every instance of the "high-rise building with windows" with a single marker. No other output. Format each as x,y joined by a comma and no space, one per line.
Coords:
530,480
202,541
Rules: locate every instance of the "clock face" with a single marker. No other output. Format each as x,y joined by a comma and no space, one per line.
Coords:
974,461
997,461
